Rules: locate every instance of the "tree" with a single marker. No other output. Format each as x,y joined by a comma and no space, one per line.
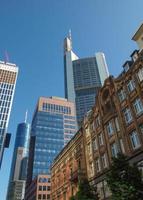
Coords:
124,180
85,192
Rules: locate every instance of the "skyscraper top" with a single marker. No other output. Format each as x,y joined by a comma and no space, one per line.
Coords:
68,43
7,63
138,37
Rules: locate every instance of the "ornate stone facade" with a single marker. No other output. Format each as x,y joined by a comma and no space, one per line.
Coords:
115,124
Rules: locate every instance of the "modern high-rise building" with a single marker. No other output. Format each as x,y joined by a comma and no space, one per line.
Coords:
8,77
53,125
18,173
83,78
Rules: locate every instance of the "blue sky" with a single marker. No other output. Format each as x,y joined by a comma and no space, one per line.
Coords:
32,32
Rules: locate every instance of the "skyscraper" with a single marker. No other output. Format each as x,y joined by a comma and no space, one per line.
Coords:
53,125
83,77
8,77
18,174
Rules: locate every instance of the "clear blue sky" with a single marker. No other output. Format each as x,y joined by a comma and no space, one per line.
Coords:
32,32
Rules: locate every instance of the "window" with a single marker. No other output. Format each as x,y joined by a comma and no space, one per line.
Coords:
122,146
104,161
40,188
100,139
95,147
130,86
141,128
44,188
110,129
134,140
48,188
114,149
140,167
140,74
97,165
121,95
91,169
39,196
138,106
97,121
127,115
117,124
87,131
44,196
89,148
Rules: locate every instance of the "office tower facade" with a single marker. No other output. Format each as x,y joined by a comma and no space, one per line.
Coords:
8,77
18,174
53,125
83,78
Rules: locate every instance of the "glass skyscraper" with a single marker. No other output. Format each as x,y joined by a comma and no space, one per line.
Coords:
18,173
83,78
53,125
8,77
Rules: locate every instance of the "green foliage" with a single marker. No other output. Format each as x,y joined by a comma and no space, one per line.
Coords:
124,180
85,192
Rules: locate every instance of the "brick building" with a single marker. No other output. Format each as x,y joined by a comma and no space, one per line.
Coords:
39,188
68,168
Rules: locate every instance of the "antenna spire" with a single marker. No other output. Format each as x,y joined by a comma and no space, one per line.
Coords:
26,115
70,35
6,56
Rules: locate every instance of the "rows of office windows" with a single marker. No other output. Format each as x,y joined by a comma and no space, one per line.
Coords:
6,97
38,170
69,122
82,92
4,110
69,131
44,180
7,76
69,126
69,117
3,124
47,129
49,147
53,124
67,136
49,136
3,116
49,116
85,74
41,164
6,92
50,120
7,72
56,108
48,140
43,196
5,103
6,86
44,188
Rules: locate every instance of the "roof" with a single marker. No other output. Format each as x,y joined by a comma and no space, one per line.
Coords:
138,32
